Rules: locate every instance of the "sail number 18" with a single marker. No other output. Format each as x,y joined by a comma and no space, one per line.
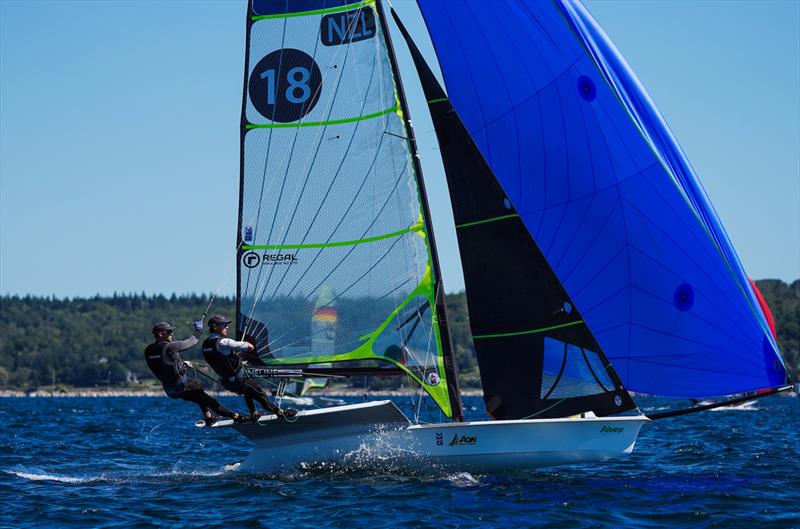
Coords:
285,85
295,83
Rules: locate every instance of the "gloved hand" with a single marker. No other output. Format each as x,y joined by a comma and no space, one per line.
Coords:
187,364
198,325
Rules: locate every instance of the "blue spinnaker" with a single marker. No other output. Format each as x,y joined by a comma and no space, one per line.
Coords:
626,85
606,193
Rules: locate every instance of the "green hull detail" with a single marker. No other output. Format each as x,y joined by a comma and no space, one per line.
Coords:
485,221
416,227
532,331
321,123
347,7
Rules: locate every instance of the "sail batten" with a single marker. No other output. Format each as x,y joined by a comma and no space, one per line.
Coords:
414,228
528,331
302,9
341,121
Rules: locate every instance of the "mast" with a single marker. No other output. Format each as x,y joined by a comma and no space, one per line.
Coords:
451,371
239,331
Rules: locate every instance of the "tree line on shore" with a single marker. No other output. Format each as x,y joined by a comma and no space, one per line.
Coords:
98,341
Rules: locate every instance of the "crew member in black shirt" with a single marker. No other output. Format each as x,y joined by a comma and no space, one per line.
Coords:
164,360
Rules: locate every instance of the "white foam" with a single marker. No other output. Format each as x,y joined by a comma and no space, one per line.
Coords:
123,478
51,477
747,406
463,479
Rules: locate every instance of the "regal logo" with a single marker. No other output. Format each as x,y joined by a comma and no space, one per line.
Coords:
464,440
252,259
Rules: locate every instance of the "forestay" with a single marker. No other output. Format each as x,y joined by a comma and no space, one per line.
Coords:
330,210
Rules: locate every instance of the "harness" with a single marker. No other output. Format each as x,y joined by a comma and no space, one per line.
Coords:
168,373
228,367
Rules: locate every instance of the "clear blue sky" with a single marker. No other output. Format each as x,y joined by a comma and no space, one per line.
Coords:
119,141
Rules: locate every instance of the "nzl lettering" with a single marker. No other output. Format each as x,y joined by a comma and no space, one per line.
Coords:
350,26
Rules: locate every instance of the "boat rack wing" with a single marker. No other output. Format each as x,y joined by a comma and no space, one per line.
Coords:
295,372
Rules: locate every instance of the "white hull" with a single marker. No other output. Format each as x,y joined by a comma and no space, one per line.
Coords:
378,434
307,402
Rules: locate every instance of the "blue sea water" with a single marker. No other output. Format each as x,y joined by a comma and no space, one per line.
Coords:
140,462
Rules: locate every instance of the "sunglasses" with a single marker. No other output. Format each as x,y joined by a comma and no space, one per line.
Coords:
168,333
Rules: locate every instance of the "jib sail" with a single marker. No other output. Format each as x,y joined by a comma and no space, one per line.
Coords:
536,355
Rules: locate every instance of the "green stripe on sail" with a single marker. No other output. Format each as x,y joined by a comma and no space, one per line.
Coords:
532,331
440,100
438,392
485,221
321,123
415,227
316,12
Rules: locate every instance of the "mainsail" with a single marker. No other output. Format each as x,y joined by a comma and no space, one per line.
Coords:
331,203
588,170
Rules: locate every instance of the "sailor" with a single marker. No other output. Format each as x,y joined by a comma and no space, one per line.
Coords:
164,360
222,354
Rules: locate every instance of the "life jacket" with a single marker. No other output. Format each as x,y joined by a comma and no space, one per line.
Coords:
226,366
166,372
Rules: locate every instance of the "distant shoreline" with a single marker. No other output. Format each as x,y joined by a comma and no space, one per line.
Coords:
97,392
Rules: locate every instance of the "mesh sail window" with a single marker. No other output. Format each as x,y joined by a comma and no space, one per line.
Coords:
571,371
334,261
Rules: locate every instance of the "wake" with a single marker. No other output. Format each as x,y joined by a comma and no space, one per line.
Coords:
154,477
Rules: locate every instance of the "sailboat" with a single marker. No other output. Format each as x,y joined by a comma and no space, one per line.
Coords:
594,263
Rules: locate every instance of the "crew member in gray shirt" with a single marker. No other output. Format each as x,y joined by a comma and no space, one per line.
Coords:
222,354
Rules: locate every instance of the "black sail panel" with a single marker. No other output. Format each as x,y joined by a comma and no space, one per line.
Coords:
537,357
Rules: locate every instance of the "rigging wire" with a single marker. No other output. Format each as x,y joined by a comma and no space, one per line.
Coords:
226,278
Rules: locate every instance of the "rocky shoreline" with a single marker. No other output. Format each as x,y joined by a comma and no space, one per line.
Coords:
153,392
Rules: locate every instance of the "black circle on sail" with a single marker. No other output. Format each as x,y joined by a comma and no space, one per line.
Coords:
285,85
